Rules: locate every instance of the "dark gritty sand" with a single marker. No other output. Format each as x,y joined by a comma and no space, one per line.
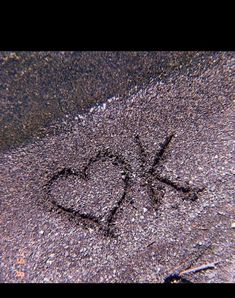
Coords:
139,188
38,90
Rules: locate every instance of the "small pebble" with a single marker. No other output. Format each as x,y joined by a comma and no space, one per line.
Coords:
66,254
233,225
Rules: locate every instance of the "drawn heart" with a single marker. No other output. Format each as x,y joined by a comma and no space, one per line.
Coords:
94,193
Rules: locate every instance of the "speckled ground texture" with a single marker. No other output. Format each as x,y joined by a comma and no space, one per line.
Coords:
135,190
39,88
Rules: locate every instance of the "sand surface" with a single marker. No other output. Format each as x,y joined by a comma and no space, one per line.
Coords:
139,188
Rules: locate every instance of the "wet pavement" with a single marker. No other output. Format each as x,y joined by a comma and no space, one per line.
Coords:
135,190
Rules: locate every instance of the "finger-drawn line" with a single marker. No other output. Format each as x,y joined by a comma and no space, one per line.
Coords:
189,192
159,154
141,151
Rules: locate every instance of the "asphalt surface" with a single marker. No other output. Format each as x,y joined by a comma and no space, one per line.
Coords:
139,188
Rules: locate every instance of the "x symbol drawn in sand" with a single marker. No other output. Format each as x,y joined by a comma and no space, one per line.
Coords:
151,174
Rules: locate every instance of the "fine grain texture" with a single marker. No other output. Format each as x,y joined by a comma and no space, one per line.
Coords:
139,188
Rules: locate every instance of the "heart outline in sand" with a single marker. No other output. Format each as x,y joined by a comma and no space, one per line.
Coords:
85,175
